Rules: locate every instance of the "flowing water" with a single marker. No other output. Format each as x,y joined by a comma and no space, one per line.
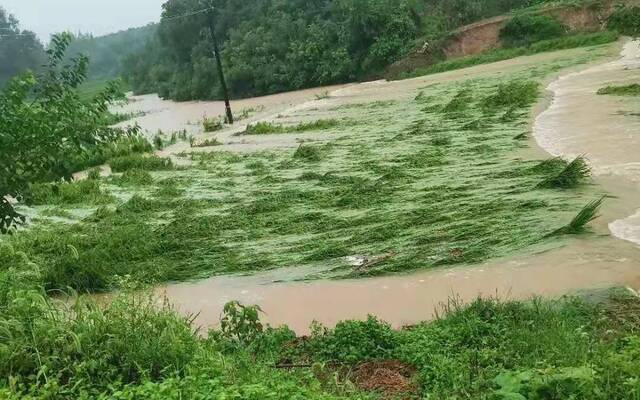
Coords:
577,122
605,129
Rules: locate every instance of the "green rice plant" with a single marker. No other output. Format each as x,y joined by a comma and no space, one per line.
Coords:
135,177
579,223
460,102
308,153
71,193
441,140
571,176
514,94
212,124
140,162
627,90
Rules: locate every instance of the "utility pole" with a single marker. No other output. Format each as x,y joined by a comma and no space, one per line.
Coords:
216,53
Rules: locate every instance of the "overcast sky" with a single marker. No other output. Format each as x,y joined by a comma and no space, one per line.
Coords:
99,17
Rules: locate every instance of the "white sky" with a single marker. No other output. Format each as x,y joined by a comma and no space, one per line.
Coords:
99,17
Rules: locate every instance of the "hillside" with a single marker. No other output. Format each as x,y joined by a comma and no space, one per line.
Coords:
107,53
483,36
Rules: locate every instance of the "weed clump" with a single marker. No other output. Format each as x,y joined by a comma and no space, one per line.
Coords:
571,176
140,162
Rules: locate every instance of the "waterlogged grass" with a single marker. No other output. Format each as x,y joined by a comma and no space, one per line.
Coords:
72,193
265,128
626,90
144,162
430,180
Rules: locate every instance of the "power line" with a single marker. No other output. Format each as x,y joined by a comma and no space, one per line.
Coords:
188,15
18,34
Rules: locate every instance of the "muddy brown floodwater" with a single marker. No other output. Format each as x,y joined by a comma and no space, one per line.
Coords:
604,128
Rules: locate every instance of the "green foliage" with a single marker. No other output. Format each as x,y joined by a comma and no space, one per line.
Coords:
526,29
20,50
626,90
107,53
354,341
44,125
241,323
140,162
626,20
271,46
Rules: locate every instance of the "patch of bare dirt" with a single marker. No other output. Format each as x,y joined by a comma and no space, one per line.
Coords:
391,378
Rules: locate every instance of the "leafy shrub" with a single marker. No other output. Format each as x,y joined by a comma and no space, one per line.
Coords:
353,341
626,20
44,123
241,323
526,29
140,162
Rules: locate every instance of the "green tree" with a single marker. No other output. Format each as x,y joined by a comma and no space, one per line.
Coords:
43,123
19,50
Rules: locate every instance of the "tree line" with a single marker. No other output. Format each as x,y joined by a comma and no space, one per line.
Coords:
271,46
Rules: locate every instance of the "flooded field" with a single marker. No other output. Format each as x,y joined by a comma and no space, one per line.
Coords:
567,128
